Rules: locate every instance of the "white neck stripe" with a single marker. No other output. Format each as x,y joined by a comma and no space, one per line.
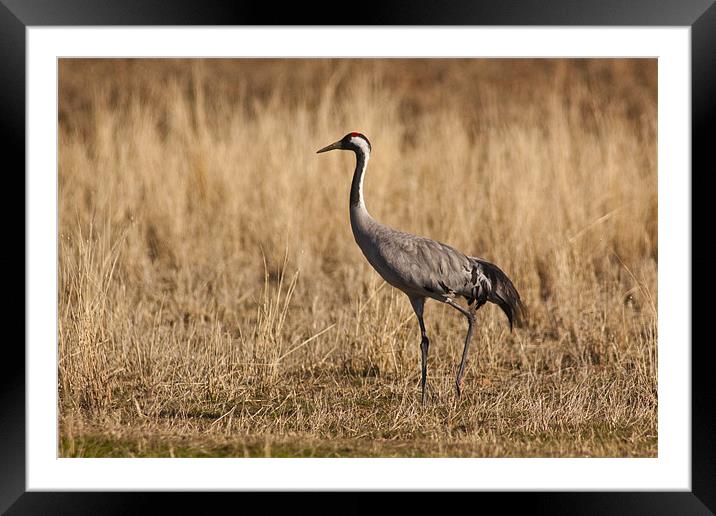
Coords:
364,150
360,142
361,200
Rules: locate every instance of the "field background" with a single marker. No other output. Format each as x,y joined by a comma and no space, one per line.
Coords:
213,302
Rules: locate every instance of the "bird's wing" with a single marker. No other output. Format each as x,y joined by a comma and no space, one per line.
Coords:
424,264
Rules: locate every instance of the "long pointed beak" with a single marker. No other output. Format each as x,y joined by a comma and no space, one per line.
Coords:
332,146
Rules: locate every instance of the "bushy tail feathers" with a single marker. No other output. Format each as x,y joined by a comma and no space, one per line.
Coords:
504,294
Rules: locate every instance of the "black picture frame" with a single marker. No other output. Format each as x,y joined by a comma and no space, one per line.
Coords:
700,15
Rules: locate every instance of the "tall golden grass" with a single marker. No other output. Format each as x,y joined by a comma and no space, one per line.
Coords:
212,300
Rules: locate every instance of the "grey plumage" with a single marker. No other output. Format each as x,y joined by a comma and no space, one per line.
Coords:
423,268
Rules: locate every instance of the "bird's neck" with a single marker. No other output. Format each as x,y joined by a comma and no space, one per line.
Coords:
360,217
357,199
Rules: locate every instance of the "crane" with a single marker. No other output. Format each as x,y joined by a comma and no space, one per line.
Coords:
423,268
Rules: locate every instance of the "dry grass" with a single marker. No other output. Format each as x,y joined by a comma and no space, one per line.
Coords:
213,301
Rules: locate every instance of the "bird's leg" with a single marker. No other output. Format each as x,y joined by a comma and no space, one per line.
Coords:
470,321
418,304
424,345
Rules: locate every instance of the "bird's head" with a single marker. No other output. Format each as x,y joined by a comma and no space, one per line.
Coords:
352,141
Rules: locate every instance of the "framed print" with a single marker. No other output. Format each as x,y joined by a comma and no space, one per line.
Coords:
204,314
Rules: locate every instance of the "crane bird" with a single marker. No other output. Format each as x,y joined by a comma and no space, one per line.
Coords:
423,268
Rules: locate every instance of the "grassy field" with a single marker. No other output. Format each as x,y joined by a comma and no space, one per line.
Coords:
213,302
